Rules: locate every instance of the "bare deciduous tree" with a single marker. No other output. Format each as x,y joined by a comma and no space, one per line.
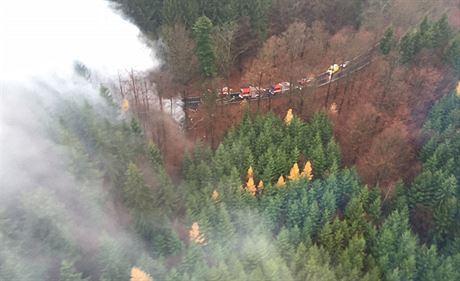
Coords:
179,53
227,48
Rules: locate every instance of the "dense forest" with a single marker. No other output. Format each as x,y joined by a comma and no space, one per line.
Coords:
412,48
210,39
323,187
279,208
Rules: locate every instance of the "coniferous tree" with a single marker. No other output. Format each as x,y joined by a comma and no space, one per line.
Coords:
352,259
113,261
426,33
204,47
147,15
307,171
68,272
260,186
136,127
452,55
328,203
138,275
387,43
407,48
311,223
250,172
136,192
374,210
269,171
318,156
446,211
283,245
396,248
139,199
195,234
294,174
441,33
251,187
289,117
215,196
281,182
154,155
317,266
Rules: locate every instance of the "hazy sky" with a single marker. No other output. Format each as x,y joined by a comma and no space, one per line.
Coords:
37,37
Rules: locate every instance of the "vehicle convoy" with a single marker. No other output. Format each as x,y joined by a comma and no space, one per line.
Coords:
305,81
280,88
345,64
234,96
225,91
334,68
251,92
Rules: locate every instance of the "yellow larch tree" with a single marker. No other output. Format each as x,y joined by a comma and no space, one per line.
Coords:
125,105
251,187
308,171
333,108
195,235
458,89
294,174
250,172
260,186
138,275
215,195
281,182
289,117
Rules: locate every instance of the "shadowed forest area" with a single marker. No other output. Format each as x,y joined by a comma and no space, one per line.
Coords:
358,179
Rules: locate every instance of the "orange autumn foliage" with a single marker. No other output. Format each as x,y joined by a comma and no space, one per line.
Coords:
260,186
308,171
251,187
289,117
458,89
195,234
294,174
138,275
125,105
215,196
333,108
250,172
281,182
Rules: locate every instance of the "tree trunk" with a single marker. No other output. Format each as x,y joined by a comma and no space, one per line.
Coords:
327,94
184,109
344,94
259,93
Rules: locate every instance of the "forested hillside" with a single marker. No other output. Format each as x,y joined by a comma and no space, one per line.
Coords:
280,208
354,179
215,38
434,196
407,52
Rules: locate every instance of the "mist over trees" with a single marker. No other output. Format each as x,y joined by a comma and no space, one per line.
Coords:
230,218
276,198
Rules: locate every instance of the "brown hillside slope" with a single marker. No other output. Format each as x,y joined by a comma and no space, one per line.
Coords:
377,120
